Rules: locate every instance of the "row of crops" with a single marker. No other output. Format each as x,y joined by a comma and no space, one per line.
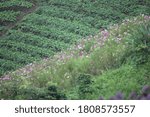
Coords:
15,3
10,10
57,24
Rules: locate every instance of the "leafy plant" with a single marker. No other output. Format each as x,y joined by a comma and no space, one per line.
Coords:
139,45
8,15
84,83
16,3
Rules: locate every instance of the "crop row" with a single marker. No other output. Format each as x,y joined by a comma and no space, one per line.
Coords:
2,28
65,2
16,3
92,20
8,65
15,56
125,6
11,60
62,24
54,11
35,40
133,7
34,51
103,11
9,15
89,8
48,32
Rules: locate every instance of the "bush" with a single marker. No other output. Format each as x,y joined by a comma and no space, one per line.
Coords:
138,45
28,92
84,82
52,92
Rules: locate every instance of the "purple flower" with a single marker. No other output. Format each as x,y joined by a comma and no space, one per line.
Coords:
146,17
105,34
148,97
6,78
145,95
146,90
101,98
133,96
143,98
119,96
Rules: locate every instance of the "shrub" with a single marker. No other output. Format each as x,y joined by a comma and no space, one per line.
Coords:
28,92
138,45
84,82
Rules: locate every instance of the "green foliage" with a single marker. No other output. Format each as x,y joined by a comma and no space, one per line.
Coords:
2,28
106,58
49,32
11,9
29,49
34,40
9,89
8,15
49,93
8,65
55,93
138,45
116,10
11,60
15,3
57,24
88,46
23,90
16,56
84,82
86,19
124,79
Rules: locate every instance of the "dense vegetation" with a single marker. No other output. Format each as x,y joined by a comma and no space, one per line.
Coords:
10,12
114,60
55,25
74,49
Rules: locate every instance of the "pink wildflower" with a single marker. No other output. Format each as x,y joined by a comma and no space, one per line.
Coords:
6,78
104,34
146,17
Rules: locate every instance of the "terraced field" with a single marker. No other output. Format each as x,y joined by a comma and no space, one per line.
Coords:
55,25
11,11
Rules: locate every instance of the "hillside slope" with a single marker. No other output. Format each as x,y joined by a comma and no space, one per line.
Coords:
114,60
55,25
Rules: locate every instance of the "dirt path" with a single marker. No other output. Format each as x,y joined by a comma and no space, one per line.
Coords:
19,19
